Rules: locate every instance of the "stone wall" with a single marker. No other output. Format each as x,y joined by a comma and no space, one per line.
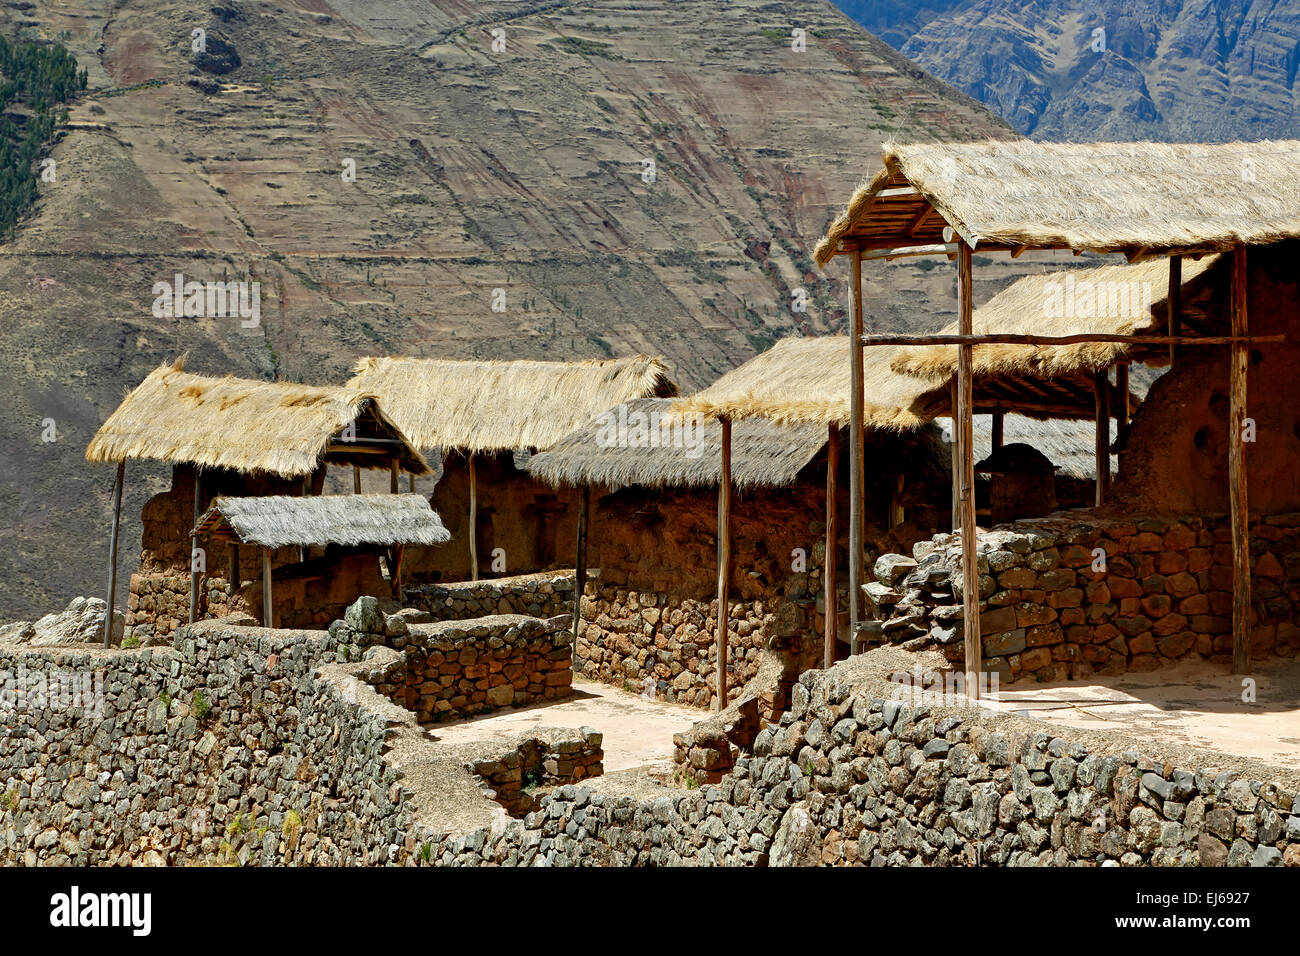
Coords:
545,594
269,747
541,759
451,669
1077,594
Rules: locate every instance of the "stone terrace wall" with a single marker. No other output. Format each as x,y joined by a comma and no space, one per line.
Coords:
461,668
239,746
547,594
1165,593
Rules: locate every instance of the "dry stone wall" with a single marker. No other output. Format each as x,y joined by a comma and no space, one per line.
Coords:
1071,597
547,594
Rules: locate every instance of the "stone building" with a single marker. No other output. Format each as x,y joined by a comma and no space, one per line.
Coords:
483,419
236,437
653,468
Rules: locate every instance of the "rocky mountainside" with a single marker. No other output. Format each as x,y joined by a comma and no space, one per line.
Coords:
383,168
1086,70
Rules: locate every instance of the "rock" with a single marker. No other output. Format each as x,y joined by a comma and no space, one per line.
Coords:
218,56
364,616
797,841
81,622
892,568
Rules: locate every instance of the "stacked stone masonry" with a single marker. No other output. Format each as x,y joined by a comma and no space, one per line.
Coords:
450,669
271,747
547,594
1068,597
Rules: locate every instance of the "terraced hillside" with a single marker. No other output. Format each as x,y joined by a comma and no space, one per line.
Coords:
522,168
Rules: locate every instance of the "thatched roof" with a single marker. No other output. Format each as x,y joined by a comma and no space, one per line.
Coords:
1070,445
350,520
802,381
1113,299
279,428
1136,198
490,406
689,452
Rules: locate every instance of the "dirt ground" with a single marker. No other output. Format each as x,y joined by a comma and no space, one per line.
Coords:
638,730
1195,704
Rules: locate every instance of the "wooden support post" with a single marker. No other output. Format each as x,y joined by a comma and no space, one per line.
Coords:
233,575
857,496
1101,389
112,550
831,610
966,433
411,484
267,620
194,574
955,404
999,429
1124,411
897,514
356,479
724,562
1238,502
580,563
392,476
473,522
399,551
1175,301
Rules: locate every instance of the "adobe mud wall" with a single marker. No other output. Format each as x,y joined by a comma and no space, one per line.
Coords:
534,525
1176,457
1078,595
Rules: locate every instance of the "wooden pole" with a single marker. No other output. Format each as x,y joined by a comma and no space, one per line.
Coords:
233,576
897,514
1101,389
580,563
392,476
1124,411
1238,502
1175,301
999,430
112,550
399,551
267,621
473,522
955,404
194,574
724,562
356,479
831,600
856,481
411,484
965,432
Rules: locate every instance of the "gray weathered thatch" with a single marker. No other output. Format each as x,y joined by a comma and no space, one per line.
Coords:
686,451
351,520
279,428
488,406
1137,198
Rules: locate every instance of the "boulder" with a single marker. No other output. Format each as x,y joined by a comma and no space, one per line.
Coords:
81,622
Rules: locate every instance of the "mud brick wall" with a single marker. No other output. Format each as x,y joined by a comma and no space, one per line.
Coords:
461,668
1046,612
546,594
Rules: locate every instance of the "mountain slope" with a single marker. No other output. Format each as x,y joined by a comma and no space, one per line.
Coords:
475,170
1213,70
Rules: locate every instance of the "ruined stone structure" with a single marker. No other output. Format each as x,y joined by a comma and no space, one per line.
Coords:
545,594
267,747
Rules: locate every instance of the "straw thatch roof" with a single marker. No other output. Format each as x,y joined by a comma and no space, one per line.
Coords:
351,520
1136,198
279,428
489,406
805,381
1113,299
617,451
1070,445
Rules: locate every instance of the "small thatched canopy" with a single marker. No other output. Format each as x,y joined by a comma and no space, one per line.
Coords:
622,448
1114,299
487,406
1136,198
1069,445
805,381
279,428
350,520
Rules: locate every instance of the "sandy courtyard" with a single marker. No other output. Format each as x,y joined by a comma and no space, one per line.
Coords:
638,731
